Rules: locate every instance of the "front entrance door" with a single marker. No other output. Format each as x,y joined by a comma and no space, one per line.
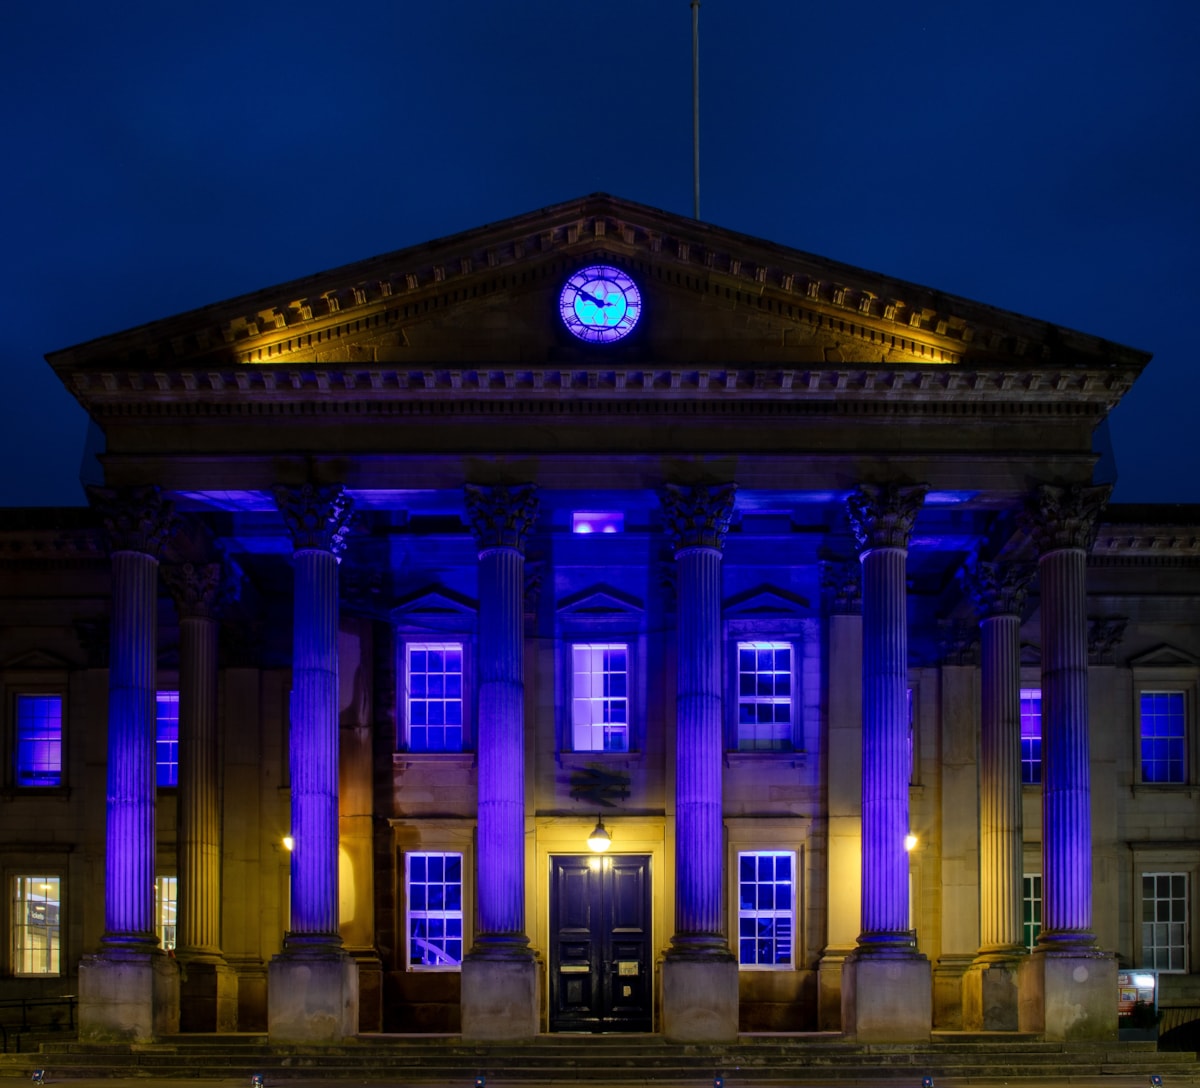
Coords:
600,943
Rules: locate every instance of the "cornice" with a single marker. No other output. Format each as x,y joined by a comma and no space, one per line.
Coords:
332,387
1147,542
294,318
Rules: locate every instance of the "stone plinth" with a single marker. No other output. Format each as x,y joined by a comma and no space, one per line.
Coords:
887,998
499,998
208,996
990,996
312,998
130,997
700,999
1069,998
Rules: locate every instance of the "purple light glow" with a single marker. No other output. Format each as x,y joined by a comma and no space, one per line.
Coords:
597,521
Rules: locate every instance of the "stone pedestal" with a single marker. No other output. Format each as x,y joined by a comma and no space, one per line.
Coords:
1069,998
312,998
829,988
208,996
500,998
129,997
700,999
887,998
990,996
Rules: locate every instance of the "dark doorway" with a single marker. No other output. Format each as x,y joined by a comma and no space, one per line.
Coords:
600,943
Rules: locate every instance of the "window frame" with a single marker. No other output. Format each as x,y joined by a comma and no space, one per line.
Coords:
411,635
1183,679
428,851
801,635
1185,777
14,691
1034,925
159,904
601,628
753,914
569,652
405,693
23,873
158,741
1024,694
1187,876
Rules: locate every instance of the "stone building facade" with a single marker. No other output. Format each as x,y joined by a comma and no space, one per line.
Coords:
796,579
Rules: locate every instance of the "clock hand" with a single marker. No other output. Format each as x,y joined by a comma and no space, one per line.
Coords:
593,299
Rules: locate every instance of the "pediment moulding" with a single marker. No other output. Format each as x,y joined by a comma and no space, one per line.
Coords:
1164,656
600,600
295,317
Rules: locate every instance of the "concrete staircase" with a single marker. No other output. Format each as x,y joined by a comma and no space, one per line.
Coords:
614,1059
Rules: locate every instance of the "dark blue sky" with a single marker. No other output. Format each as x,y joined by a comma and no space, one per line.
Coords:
1038,156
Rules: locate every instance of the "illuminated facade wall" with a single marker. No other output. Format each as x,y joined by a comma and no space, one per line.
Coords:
519,633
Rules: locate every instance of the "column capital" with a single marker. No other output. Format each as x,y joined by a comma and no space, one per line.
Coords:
1105,634
136,519
697,517
501,516
198,589
882,515
996,589
1064,517
317,516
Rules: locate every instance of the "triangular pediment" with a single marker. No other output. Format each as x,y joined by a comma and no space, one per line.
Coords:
435,601
35,660
478,312
765,600
1164,656
1031,655
600,600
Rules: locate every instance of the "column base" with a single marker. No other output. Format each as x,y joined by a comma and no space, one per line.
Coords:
887,998
1068,996
208,995
991,995
700,997
128,997
312,998
500,997
829,988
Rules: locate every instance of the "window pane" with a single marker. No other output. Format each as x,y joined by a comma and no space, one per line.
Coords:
764,685
166,895
166,738
1031,736
1164,921
599,697
434,908
1163,730
766,905
434,684
39,740
35,925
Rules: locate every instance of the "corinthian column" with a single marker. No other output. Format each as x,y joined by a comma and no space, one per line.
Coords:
1075,980
130,968
499,991
313,985
208,991
700,996
890,1002
990,995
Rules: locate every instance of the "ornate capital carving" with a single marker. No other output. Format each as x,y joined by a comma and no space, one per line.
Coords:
958,643
842,581
996,589
1064,517
1105,634
198,589
501,516
136,519
318,517
882,516
697,517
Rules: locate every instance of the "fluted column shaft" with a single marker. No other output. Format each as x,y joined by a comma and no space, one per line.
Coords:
882,518
501,516
129,862
199,790
697,520
318,519
885,748
501,746
1062,522
1000,820
698,836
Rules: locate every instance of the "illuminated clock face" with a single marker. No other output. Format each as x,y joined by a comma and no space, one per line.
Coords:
600,304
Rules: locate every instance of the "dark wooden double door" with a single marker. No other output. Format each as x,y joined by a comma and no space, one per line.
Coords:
600,958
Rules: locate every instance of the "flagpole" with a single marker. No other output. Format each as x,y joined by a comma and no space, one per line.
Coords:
696,109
